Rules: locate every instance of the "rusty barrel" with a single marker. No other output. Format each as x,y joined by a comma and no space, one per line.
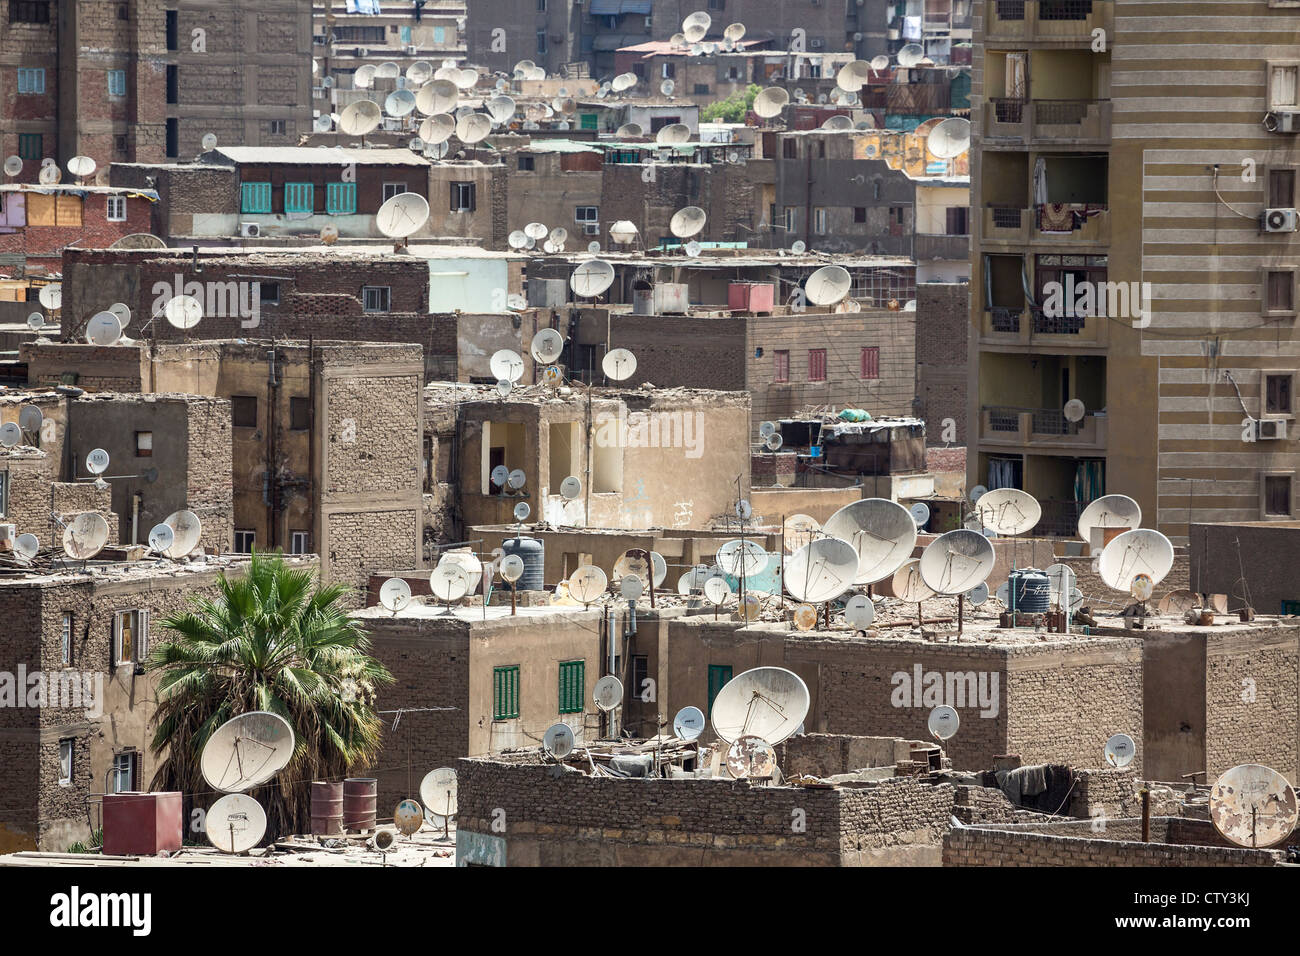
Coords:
359,797
326,808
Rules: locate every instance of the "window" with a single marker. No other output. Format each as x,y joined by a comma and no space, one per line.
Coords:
790,220
65,641
717,4
669,71
819,220
299,197
340,198
29,11
462,197
4,492
144,444
65,761
1278,393
1282,85
719,675
505,692
897,215
117,82
31,80
243,411
119,145
173,32
255,197
173,84
1279,291
571,685
117,209
527,163
541,41
123,776
586,214
130,636
541,6
299,414
173,136
375,298
244,541
957,220
393,189
700,89
789,148
859,213
268,293
1281,189
278,127
300,542
782,370
1277,495
640,674
871,361
816,365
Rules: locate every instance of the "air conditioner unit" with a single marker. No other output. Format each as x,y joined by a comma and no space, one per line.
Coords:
7,532
1282,121
591,229
250,230
363,51
412,50
1279,220
1270,429
816,43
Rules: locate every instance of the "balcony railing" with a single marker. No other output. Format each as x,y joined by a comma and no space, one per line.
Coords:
1082,221
1006,319
1006,223
1048,20
1014,425
1060,519
1044,324
1077,122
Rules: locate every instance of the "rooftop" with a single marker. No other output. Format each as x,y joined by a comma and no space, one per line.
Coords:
315,155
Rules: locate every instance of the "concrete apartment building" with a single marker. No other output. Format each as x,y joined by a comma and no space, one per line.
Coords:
1134,164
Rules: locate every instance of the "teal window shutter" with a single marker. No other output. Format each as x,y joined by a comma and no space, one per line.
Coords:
255,197
341,199
298,197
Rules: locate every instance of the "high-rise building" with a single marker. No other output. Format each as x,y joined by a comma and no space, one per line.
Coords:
1149,159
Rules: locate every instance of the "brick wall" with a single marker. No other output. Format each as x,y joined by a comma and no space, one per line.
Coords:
942,319
1252,685
114,368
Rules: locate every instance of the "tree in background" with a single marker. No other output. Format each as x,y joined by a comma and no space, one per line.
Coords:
733,109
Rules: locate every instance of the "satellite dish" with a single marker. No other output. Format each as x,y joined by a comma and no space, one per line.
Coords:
437,98
768,702
26,546
798,247
399,103
1109,511
500,475
920,513
1061,578
419,72
766,429
908,585
838,124
559,235
517,240
1253,806
879,63
751,756
408,817
13,165
449,582
183,311
49,175
30,418
910,55
522,511
465,79
630,131
570,488
1120,751
695,26
139,240
83,166
438,791
1074,410
828,285
608,692
1008,511
364,77
359,118
630,587
859,611
955,562
742,558
667,87
402,215
588,584
246,751
689,723
618,364
805,617
978,594
735,32
977,492
36,321
473,128
821,570
512,568
744,510
687,222
853,76
394,594
507,364
673,134
536,230
51,296
10,434
558,741
717,591
623,82
771,101
235,823
104,328
97,461
1179,602
161,537
84,536
800,529
950,138
881,532
122,311
547,346
186,531
943,722
1142,551
388,70
504,387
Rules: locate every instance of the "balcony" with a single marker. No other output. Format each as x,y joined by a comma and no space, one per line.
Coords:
1009,325
1072,222
929,247
1060,519
1006,224
1038,427
1055,22
1048,122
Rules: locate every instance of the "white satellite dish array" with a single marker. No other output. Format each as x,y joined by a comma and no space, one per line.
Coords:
245,752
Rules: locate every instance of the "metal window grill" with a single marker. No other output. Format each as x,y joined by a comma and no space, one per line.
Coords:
1006,217
1071,324
1008,110
1060,112
1011,9
1064,9
1005,319
1003,418
1052,421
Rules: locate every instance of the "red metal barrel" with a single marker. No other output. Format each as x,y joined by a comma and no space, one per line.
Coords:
326,808
359,797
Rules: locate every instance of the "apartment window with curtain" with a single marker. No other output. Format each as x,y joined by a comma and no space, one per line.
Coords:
31,80
1278,393
1282,85
1277,495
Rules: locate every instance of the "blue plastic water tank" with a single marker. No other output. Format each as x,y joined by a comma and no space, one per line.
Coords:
1031,591
534,554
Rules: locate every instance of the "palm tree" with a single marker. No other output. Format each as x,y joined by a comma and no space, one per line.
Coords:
274,640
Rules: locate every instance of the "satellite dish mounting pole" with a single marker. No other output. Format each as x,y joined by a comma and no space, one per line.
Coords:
780,590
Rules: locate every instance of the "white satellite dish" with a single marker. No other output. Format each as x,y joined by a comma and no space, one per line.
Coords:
437,98
85,536
1253,806
978,594
768,702
694,27
618,364
466,79
735,32
10,434
955,562
828,285
83,166
879,63
402,215
910,55
853,76
977,492
161,537
500,475
36,321
630,131
588,584
1074,410
623,231
187,529
1109,511
26,546
673,135
744,510
1061,578
558,740
507,365
13,165
399,103
364,77
570,488
1120,751
104,328
630,587
51,296
687,222
920,513
388,70
742,558
536,230
439,791
859,611
882,533
183,311
838,124
517,240
97,461
473,128
235,823
821,570
394,594
512,568
770,102
30,419
798,247
360,118
449,582
943,722
689,723
608,692
547,346
517,478
419,72
667,87
1142,551
950,138
1008,511
49,175
436,130
246,751
908,585
623,82
122,311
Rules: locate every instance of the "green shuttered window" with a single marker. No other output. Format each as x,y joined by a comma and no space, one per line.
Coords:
505,692
572,674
